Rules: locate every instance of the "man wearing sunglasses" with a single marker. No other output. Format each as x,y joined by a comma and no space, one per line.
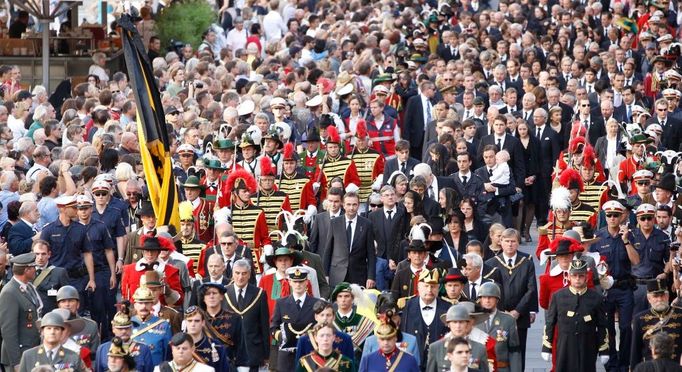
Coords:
652,245
621,255
642,179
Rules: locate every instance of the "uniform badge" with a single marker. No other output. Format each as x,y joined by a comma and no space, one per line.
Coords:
405,288
587,318
570,314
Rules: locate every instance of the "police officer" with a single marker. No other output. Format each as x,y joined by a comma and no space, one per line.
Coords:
502,327
102,245
20,308
576,317
70,247
122,327
660,317
652,245
67,298
110,212
148,328
620,253
51,352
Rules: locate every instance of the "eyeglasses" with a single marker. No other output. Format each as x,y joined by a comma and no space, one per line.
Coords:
132,194
612,215
661,109
646,218
583,105
227,243
643,183
101,193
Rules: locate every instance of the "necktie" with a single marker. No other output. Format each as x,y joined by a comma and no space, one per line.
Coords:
499,144
490,172
50,355
466,114
510,262
38,272
240,299
663,124
389,214
589,88
464,180
473,291
403,168
629,113
428,112
349,234
298,303
427,307
431,192
586,123
539,132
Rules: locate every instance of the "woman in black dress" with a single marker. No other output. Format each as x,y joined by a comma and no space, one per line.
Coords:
531,151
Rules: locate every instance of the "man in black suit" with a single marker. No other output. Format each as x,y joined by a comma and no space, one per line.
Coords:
349,254
672,130
421,315
520,295
387,223
229,252
467,184
549,152
417,115
594,125
216,270
431,208
505,141
433,183
320,229
448,50
503,192
474,276
402,161
295,312
251,304
22,233
49,278
553,96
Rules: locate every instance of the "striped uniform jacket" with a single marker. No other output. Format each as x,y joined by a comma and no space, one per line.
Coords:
250,225
272,203
370,164
299,188
341,167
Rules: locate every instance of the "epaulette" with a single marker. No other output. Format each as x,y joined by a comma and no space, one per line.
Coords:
544,230
402,302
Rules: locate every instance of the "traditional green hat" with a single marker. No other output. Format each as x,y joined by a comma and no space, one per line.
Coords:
418,58
284,252
192,182
383,78
223,144
213,164
341,287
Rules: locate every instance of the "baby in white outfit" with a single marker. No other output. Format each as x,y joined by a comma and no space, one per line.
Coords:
501,171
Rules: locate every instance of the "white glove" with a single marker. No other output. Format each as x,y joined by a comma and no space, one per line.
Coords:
547,357
604,359
376,186
309,213
316,187
606,282
352,188
268,250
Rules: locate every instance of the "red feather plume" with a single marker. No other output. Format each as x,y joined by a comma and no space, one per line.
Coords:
361,129
266,168
589,157
288,151
333,135
570,176
165,243
575,144
574,245
241,175
577,130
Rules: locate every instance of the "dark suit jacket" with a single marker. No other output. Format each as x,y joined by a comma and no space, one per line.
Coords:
414,122
466,289
671,139
548,151
54,280
412,322
519,287
513,146
194,292
601,147
566,112
353,264
387,234
445,52
392,165
254,322
481,132
472,189
597,128
20,238
241,252
286,311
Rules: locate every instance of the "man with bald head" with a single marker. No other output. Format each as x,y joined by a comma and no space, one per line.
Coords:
129,144
215,273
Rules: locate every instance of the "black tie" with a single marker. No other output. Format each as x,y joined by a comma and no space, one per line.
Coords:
403,168
499,144
538,133
298,303
490,172
240,299
427,307
464,180
473,291
510,262
349,234
390,212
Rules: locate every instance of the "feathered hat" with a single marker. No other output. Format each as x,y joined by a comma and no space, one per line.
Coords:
289,153
563,245
361,129
577,145
570,179
185,209
589,157
560,198
241,179
266,167
420,232
166,242
333,135
578,130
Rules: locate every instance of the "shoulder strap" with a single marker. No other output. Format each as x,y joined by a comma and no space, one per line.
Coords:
42,276
149,327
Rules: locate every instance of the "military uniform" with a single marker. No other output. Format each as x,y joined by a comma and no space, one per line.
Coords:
255,321
370,164
593,194
299,188
356,326
226,327
154,332
19,311
64,360
139,351
502,328
649,322
89,337
212,353
203,219
342,167
653,254
250,225
412,322
290,322
68,244
549,232
271,202
337,361
342,344
172,316
398,361
437,361
580,321
583,212
192,249
311,163
48,280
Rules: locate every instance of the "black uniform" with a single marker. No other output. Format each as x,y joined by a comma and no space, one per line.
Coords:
254,312
580,321
646,324
288,323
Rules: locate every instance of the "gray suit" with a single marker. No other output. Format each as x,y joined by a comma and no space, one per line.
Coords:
53,281
436,361
502,327
18,323
67,359
354,262
318,233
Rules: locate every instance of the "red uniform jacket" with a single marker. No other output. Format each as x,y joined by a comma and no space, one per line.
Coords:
130,281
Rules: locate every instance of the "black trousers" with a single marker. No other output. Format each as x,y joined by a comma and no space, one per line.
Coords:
523,335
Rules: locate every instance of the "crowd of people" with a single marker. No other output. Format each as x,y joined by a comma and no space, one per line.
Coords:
355,180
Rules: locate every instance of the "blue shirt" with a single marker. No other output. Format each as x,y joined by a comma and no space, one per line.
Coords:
111,217
375,362
122,205
408,344
68,243
613,249
157,338
653,252
6,197
48,212
99,239
140,352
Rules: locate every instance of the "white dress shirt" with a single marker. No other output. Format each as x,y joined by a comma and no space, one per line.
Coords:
429,314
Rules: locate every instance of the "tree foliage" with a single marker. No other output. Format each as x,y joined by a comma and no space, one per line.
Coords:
185,21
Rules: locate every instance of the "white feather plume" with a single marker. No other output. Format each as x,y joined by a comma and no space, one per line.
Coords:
560,198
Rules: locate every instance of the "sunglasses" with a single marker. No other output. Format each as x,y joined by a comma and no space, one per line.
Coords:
186,155
612,215
101,193
643,183
227,243
646,218
376,205
584,105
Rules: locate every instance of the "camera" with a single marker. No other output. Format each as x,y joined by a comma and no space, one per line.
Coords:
198,84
